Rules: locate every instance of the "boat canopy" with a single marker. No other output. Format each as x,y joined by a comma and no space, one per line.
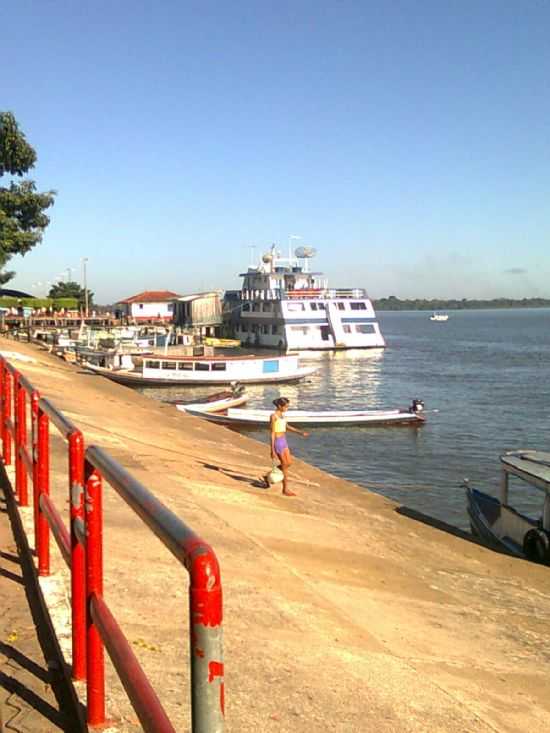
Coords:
532,466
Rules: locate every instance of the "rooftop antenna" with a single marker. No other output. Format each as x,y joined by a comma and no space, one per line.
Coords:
292,236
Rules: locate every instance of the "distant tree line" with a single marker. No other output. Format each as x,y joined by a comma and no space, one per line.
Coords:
393,303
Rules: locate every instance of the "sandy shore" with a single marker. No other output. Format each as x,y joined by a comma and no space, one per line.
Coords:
343,611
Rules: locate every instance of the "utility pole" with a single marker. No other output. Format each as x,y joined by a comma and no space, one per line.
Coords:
85,286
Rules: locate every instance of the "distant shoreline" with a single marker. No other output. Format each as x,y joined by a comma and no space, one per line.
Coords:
396,304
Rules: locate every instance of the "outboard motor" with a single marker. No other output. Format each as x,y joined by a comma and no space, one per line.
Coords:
417,406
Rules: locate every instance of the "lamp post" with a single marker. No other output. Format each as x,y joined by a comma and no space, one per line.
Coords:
85,286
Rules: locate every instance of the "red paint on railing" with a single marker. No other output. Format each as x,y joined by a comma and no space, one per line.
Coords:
78,561
94,587
42,489
92,623
6,413
57,525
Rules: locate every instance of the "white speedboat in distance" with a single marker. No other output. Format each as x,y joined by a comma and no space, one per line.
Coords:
439,317
283,305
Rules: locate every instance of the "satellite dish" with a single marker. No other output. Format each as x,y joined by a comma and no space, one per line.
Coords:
304,253
267,258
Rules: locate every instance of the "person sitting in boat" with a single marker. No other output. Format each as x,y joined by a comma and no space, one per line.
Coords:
279,446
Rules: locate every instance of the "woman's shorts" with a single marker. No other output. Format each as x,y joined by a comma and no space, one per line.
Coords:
280,445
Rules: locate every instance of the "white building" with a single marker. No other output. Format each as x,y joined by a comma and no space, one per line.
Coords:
151,305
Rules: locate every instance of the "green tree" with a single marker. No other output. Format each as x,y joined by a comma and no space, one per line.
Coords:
22,207
71,289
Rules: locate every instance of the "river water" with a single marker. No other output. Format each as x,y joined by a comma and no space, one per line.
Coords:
483,376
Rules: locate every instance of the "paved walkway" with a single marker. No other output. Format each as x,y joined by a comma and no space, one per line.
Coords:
33,693
343,611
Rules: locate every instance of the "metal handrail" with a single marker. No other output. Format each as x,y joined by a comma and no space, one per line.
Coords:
65,426
207,699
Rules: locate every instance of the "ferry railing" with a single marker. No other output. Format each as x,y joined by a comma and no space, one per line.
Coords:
205,604
93,625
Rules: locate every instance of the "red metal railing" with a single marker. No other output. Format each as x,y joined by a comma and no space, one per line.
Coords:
93,624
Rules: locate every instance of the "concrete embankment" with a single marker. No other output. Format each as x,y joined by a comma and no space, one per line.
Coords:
343,611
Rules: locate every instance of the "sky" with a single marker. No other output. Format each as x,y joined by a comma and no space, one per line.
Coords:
408,142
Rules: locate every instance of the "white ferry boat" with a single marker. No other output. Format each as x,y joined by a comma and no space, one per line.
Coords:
283,305
159,371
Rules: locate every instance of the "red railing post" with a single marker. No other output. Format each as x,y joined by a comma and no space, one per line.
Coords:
20,419
43,487
35,398
205,608
6,415
2,382
94,587
78,560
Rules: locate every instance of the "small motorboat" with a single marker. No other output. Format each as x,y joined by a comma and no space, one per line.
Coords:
412,415
439,317
498,524
217,402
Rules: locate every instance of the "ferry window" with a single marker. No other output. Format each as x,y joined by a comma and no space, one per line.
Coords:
265,329
266,307
245,307
295,306
325,333
364,328
185,366
358,306
347,328
169,365
219,366
202,367
275,329
152,365
244,326
321,306
341,306
313,306
255,306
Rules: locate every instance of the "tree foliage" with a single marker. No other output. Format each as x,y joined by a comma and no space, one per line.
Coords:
22,207
71,289
436,304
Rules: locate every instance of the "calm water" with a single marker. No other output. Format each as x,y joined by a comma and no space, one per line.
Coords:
485,373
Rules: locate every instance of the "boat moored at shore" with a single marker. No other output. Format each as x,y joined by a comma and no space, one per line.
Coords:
283,305
412,415
498,524
161,371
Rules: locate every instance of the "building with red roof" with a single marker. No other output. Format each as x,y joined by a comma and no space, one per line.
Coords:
151,305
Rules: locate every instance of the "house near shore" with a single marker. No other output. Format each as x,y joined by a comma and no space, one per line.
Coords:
200,313
151,305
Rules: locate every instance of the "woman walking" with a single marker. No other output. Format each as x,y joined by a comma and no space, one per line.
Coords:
279,446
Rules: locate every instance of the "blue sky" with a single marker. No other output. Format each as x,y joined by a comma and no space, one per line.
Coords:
407,141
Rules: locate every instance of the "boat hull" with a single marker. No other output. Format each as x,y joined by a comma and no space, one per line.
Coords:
261,418
497,525
137,380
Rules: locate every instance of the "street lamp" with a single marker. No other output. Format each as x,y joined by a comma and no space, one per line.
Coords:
85,286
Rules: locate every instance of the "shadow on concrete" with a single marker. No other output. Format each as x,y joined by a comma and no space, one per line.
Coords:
11,576
12,653
256,483
70,715
439,524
